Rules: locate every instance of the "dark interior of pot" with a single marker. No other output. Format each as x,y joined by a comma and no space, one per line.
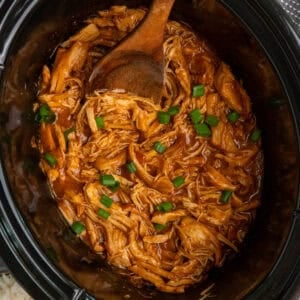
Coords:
50,24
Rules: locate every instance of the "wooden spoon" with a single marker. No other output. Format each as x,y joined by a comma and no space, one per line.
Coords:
136,64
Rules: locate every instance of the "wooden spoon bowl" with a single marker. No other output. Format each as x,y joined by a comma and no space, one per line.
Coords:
136,64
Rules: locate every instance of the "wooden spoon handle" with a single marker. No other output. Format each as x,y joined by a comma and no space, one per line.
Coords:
148,37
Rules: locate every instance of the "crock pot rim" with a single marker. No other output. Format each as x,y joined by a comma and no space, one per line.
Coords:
32,275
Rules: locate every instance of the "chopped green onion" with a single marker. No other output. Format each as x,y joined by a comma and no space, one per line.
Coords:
106,201
67,132
212,120
202,130
225,196
233,116
163,117
77,227
255,135
115,187
45,115
165,206
178,181
159,147
198,90
131,167
44,110
196,116
50,159
103,213
159,227
99,122
107,180
174,110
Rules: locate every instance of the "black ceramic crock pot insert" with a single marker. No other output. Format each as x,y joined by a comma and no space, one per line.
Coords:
274,239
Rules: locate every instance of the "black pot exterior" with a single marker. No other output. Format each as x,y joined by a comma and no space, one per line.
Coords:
274,264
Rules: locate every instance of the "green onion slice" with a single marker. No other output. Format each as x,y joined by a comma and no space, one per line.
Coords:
45,114
107,180
255,135
212,120
131,168
178,181
50,159
99,122
233,116
225,196
115,187
159,147
77,227
165,206
163,117
196,116
198,90
202,130
44,110
159,227
103,213
67,132
174,110
106,201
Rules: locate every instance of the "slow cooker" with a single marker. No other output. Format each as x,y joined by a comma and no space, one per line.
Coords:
263,48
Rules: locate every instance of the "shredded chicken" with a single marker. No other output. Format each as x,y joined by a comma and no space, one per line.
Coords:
170,215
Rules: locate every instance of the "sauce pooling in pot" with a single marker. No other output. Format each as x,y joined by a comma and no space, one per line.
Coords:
163,191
